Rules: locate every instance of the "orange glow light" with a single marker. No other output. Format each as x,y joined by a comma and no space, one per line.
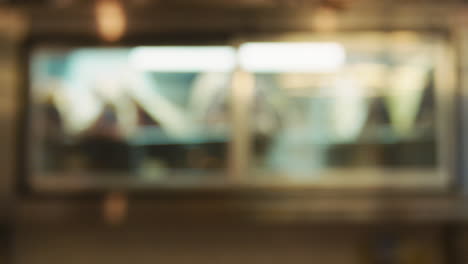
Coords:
110,19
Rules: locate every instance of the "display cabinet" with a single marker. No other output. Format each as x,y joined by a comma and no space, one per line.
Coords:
361,109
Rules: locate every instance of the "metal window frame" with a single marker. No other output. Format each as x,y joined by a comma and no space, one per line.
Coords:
165,28
239,174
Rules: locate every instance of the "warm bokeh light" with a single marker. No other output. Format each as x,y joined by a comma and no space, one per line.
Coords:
115,208
111,20
325,20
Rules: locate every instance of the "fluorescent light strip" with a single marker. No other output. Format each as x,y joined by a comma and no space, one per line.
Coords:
183,59
319,57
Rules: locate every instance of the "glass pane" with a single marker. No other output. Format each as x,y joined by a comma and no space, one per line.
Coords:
362,106
149,112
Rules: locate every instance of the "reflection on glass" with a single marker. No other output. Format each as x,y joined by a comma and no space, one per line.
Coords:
352,105
148,111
